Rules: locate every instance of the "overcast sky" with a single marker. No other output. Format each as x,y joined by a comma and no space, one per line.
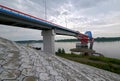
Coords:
102,17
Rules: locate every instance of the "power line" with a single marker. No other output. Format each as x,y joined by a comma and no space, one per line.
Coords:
45,6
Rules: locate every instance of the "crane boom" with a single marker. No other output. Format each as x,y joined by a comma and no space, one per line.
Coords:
86,38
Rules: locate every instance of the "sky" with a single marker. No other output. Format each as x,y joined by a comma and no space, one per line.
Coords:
102,17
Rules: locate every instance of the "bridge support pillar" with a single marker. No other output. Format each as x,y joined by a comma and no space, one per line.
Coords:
48,41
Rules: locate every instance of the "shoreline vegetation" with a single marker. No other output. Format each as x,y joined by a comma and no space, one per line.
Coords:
98,39
105,63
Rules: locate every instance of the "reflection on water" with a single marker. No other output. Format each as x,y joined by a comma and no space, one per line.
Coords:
109,49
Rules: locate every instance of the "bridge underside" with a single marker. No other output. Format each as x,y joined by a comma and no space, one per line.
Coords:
17,21
49,30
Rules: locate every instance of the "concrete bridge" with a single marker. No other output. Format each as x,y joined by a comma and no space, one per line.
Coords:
16,18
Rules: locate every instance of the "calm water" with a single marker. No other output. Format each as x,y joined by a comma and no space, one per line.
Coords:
109,49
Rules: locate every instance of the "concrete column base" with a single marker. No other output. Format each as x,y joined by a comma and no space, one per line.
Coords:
48,41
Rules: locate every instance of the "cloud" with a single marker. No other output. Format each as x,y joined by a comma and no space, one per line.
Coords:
83,4
99,16
15,33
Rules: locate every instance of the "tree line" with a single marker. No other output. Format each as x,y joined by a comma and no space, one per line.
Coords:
98,39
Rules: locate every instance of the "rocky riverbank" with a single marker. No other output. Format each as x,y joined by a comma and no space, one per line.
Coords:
19,63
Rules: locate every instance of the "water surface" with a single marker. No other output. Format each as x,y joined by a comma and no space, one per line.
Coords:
108,49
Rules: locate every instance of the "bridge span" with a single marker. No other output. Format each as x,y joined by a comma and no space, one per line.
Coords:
12,17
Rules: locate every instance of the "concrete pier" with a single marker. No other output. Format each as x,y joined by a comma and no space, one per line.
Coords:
49,41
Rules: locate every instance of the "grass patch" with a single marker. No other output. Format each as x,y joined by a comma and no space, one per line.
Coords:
105,59
109,64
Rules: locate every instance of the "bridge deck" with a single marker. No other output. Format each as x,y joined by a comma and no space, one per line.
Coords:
13,17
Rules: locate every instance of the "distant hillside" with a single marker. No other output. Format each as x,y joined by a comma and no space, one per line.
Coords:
107,39
98,39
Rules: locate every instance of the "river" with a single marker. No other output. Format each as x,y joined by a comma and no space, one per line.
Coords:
108,49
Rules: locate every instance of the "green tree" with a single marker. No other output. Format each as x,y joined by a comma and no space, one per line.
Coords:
63,51
59,51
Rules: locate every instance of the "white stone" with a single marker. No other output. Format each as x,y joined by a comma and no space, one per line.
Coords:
27,72
53,72
40,69
58,78
44,76
26,65
49,67
9,74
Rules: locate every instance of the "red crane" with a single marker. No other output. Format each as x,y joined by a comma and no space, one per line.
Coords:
85,39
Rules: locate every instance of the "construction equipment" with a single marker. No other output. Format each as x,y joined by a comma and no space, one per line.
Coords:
85,39
83,45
